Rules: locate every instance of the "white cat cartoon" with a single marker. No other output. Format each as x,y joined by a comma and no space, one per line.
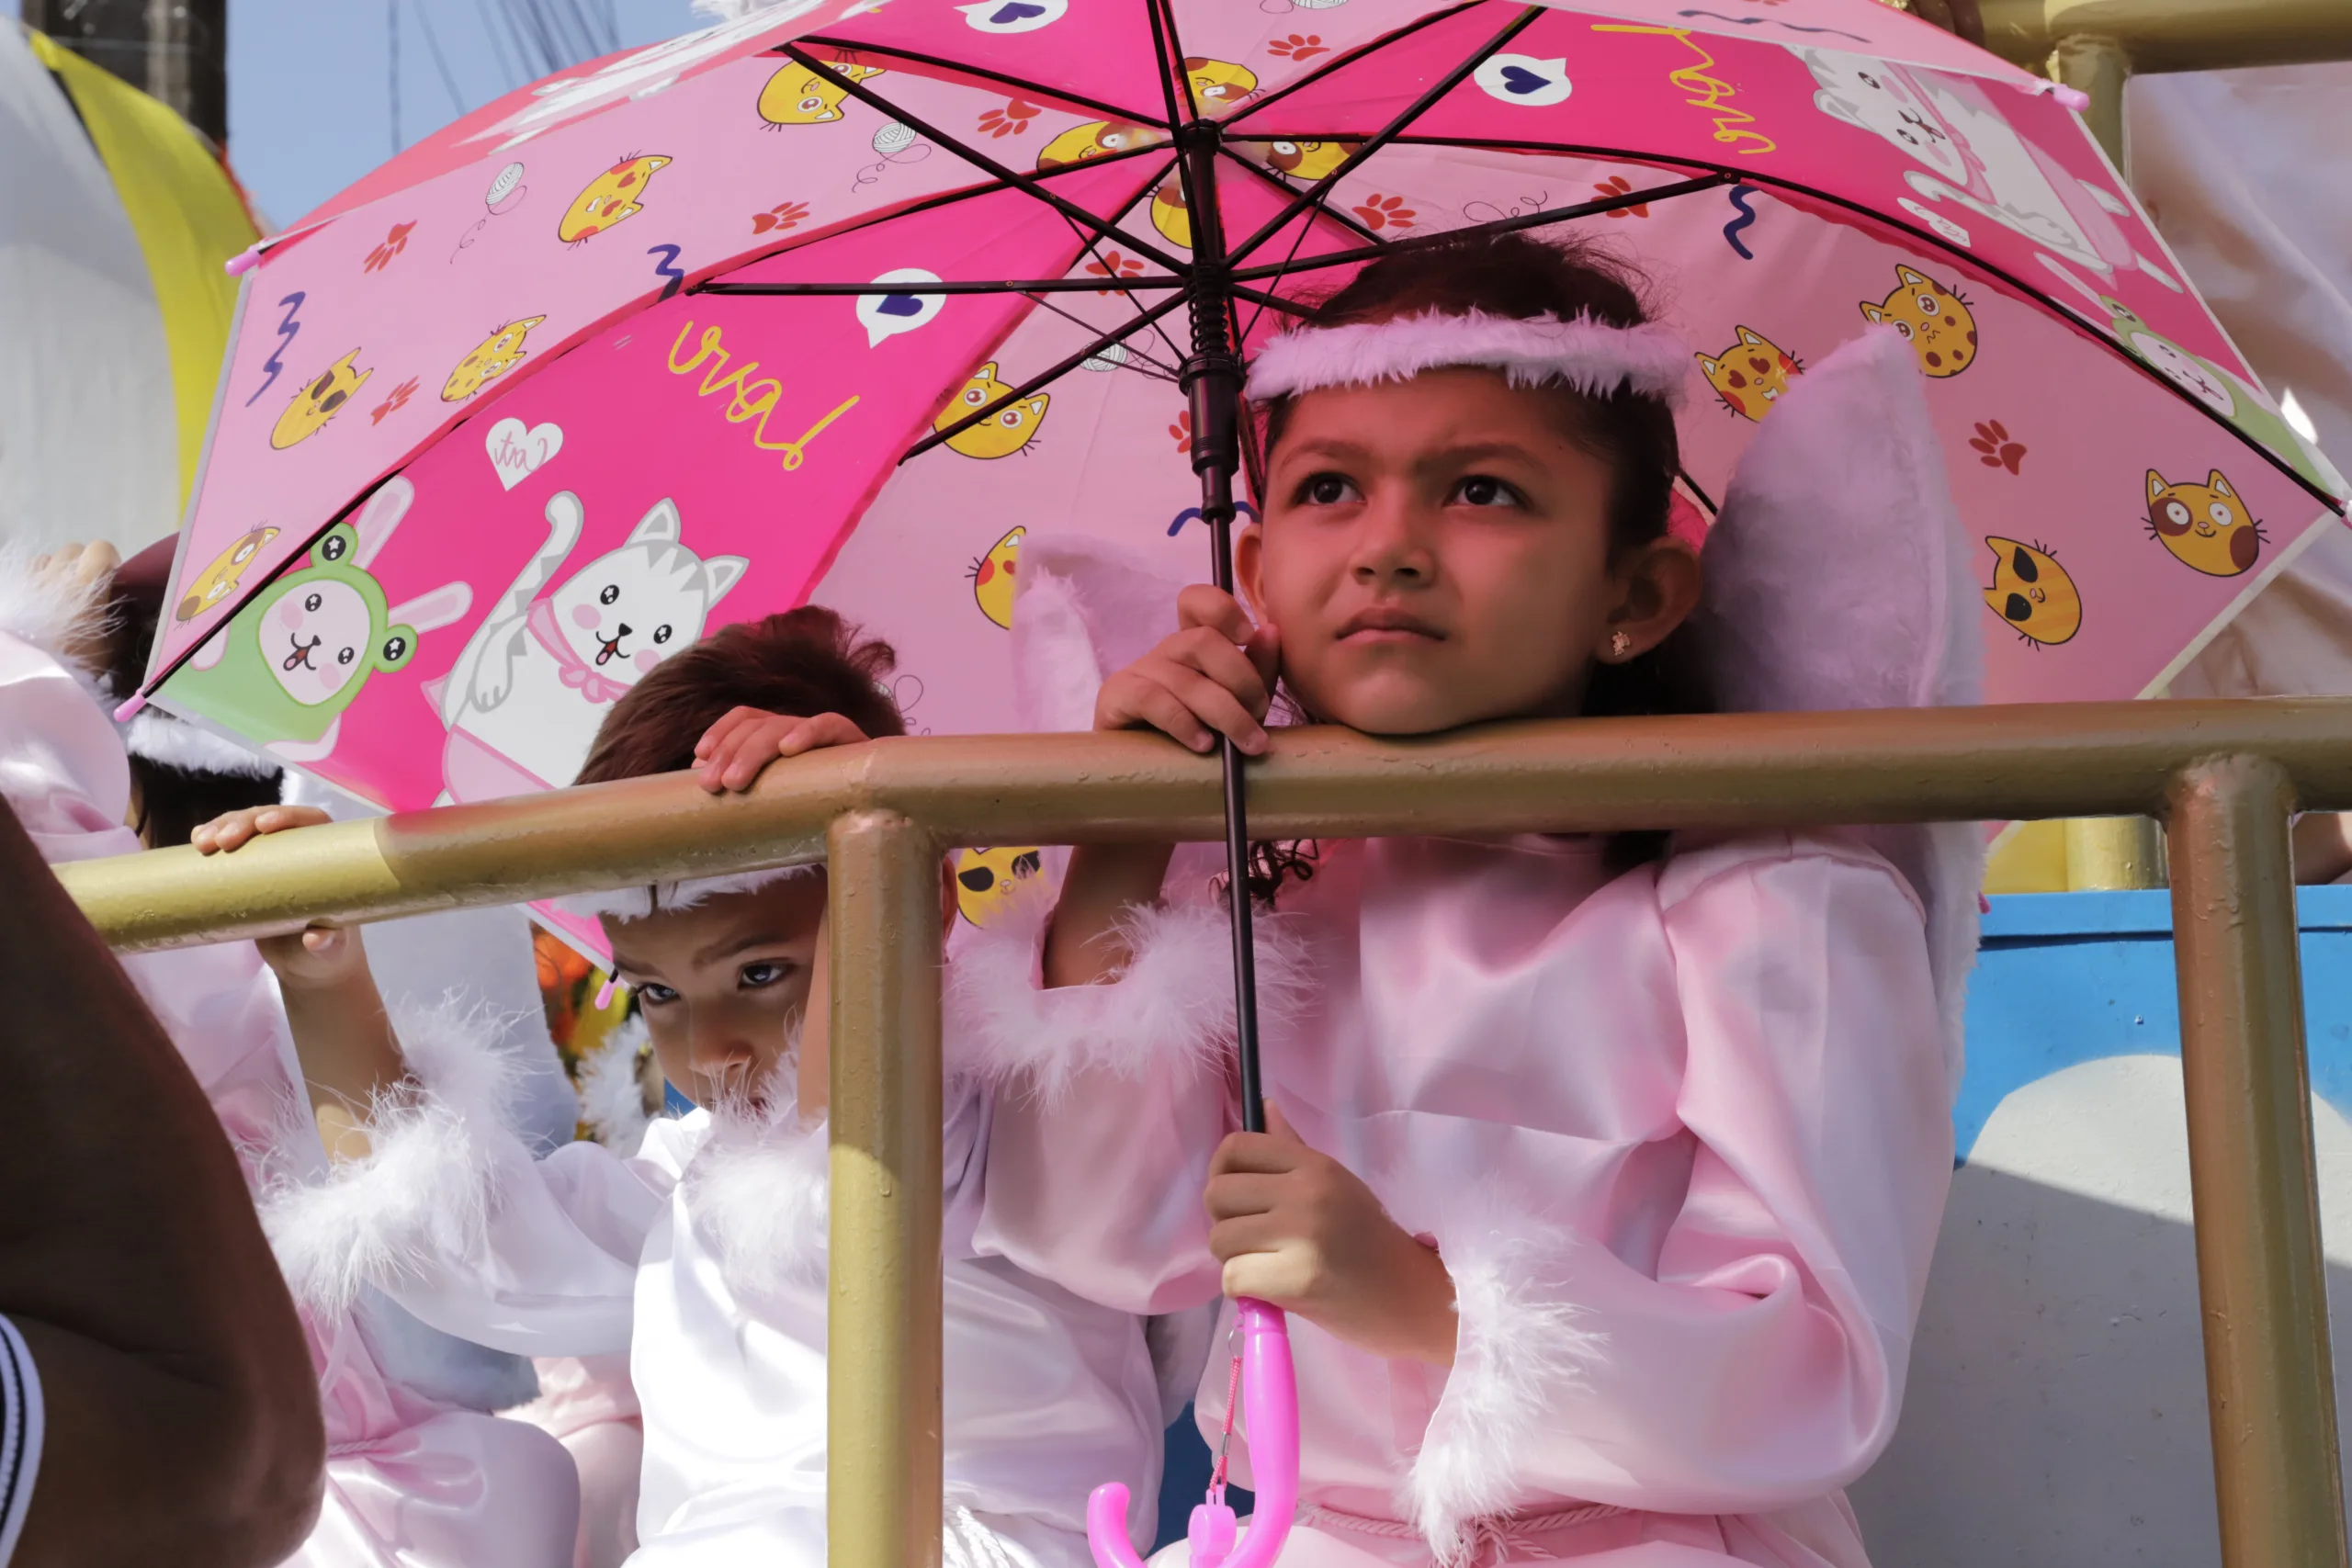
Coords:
1970,156
523,704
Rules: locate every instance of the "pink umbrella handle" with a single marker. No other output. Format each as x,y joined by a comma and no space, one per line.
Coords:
1270,1399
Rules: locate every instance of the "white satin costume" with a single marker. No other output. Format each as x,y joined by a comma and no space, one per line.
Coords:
1681,1135
702,1257
413,1480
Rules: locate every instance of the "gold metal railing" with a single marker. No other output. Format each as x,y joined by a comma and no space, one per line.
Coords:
2222,776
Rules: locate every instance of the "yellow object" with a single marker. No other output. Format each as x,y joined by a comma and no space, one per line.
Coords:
189,221
2029,858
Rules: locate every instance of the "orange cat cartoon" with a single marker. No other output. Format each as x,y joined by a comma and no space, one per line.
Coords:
1750,376
610,198
2205,527
220,579
489,359
316,403
1009,430
1094,138
1935,321
2032,593
995,575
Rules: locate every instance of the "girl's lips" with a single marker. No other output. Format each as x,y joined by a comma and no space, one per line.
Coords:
1387,625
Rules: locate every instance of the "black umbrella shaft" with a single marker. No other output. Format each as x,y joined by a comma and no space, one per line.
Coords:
1213,387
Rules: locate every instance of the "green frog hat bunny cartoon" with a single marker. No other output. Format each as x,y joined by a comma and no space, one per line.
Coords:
282,672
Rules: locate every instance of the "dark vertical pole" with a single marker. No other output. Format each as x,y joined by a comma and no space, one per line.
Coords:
176,49
1212,385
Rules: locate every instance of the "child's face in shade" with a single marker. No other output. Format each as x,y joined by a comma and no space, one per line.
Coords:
1436,552
725,983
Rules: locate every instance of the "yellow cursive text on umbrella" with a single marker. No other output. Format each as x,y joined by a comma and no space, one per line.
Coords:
1706,92
747,400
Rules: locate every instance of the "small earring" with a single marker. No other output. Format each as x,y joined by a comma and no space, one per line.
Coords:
1620,645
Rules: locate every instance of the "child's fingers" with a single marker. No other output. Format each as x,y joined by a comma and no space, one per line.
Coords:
1201,605
324,941
1211,704
1237,1193
1281,1276
751,748
1278,1125
1241,1237
1131,698
818,732
1260,1154
95,560
1221,662
726,727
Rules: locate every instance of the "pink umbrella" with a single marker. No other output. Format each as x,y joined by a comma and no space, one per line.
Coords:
838,305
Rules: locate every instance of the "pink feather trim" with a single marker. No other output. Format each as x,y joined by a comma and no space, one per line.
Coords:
1590,356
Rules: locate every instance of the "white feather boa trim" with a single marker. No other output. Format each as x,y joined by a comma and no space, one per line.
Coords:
1173,1002
1588,356
636,903
759,1191
158,737
612,1089
1518,1351
42,609
425,1189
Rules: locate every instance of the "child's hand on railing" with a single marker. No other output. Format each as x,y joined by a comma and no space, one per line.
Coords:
733,753
1216,676
308,960
1300,1231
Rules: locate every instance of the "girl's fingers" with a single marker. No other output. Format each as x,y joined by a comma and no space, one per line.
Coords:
1226,665
1201,605
1257,1153
1133,698
1280,1276
1217,708
1252,1234
1238,1193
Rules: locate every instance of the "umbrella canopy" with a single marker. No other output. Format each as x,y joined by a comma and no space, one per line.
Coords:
112,300
838,307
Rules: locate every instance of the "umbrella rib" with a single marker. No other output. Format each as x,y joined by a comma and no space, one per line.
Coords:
1389,132
1019,84
1171,64
1265,301
981,161
1349,57
1500,226
1023,286
1167,372
937,436
1092,245
1344,221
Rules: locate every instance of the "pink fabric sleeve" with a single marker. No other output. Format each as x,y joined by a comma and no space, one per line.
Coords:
1763,1364
1108,1103
63,768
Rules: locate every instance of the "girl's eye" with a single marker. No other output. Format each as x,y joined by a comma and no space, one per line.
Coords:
653,995
1485,490
756,976
1328,490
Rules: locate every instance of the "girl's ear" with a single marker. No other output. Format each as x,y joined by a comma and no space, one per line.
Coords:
1656,591
1249,564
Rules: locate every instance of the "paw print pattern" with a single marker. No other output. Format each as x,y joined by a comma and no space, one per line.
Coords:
1617,185
1011,120
1993,447
1112,265
1385,212
391,404
394,243
1298,46
777,218
1182,432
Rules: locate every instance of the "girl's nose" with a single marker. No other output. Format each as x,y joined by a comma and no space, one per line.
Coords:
718,1055
1389,549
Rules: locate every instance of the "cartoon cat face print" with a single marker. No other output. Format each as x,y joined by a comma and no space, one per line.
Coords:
1009,430
489,359
220,579
995,577
987,876
798,95
613,197
1884,100
1096,138
627,611
316,404
1218,87
1934,320
2032,593
1305,162
1749,376
2205,527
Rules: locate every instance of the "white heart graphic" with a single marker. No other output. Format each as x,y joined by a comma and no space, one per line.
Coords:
518,453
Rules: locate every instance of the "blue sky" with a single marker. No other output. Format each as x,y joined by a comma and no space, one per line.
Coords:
310,84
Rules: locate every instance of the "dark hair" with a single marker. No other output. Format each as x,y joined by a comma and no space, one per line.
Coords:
800,663
1516,275
174,802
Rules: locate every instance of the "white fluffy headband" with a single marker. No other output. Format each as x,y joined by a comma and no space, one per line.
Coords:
1590,356
636,903
177,744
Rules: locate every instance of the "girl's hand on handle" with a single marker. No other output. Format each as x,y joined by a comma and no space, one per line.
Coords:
1215,676
733,753
1298,1229
316,959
